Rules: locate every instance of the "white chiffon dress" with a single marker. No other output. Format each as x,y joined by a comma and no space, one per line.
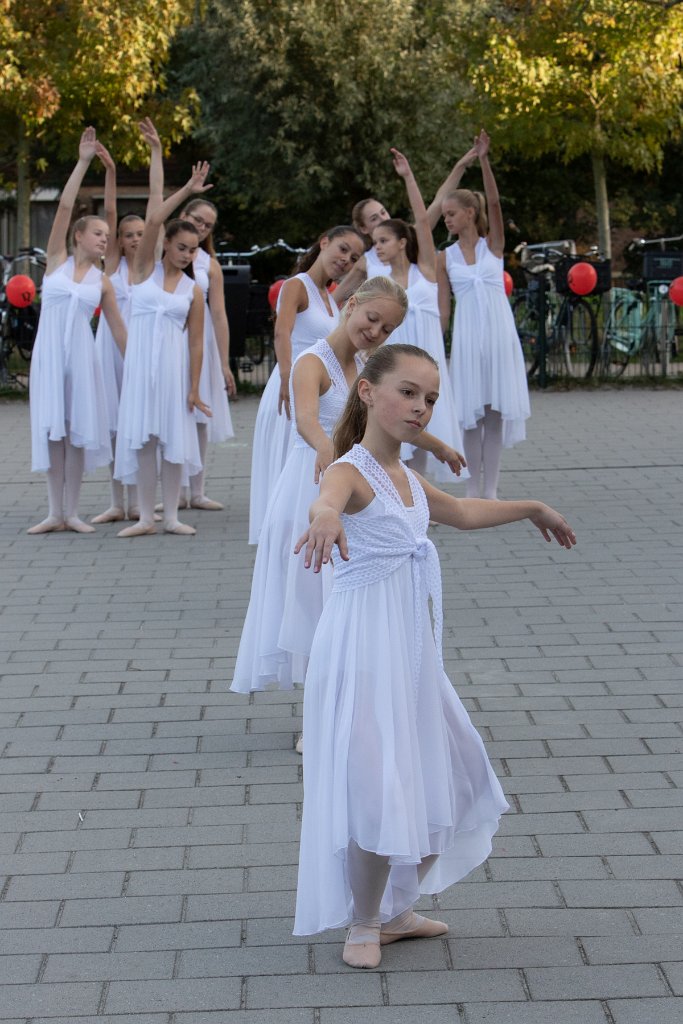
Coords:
67,397
286,599
108,352
272,433
156,378
211,382
422,327
487,363
392,760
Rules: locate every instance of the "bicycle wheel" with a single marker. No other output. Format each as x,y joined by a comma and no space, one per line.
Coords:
581,343
525,312
622,334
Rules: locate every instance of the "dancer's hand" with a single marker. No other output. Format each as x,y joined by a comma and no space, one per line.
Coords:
468,158
325,531
401,165
149,133
200,172
451,458
553,524
283,397
324,457
105,157
230,385
87,147
482,143
195,402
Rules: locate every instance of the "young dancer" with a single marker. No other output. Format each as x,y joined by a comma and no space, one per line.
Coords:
409,255
162,368
400,798
487,365
306,312
217,381
69,430
123,242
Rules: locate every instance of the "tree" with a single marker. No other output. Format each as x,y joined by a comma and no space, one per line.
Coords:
302,100
600,78
69,64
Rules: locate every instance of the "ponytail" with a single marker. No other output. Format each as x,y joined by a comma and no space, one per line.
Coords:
401,229
475,201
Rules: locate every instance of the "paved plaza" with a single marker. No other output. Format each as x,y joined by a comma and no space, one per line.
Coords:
150,818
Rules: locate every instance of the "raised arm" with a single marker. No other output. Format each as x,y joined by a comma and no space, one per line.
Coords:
425,243
144,257
156,164
56,244
112,256
496,238
449,185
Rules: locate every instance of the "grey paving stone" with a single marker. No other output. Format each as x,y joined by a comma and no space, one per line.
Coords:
568,922
558,1011
37,1000
245,962
41,914
589,982
124,910
174,996
637,1011
455,986
19,969
60,887
621,893
108,966
632,949
209,935
201,880
56,940
77,839
352,989
150,859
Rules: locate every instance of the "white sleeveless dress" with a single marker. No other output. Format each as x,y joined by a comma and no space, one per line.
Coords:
487,364
374,265
391,759
211,382
66,388
272,433
108,352
156,378
422,327
286,599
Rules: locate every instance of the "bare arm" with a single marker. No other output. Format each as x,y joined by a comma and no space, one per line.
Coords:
425,243
444,295
144,257
195,336
351,282
112,315
156,164
293,300
441,451
496,237
56,244
308,381
219,318
112,256
449,185
336,491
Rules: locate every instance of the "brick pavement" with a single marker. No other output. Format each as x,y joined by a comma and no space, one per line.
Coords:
150,818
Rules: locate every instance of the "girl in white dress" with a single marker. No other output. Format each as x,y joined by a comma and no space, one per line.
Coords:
399,795
162,367
69,428
286,601
408,252
306,312
118,266
487,364
217,381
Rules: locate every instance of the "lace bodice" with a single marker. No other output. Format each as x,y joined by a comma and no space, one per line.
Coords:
331,404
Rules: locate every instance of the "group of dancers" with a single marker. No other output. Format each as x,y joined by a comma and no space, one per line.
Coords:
399,796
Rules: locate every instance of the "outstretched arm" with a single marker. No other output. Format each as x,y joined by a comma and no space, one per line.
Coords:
156,164
449,185
441,451
425,242
326,530
144,257
496,238
56,244
112,256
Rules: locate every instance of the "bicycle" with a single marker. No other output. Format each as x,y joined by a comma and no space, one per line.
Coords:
571,338
641,319
19,326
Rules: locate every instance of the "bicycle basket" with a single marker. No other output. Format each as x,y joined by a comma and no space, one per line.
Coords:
603,269
662,266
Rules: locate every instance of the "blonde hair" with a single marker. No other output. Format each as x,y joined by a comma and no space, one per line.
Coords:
81,224
473,201
353,421
379,288
206,243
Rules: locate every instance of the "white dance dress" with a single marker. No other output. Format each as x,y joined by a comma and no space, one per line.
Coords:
286,599
108,352
211,382
391,760
156,378
272,433
422,327
66,387
487,364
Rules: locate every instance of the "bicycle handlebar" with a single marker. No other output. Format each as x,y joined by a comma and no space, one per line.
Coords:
641,243
256,250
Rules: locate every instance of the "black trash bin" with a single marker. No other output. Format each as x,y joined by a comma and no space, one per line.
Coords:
236,280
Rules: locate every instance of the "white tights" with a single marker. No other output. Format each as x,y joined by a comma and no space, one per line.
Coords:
117,488
483,449
64,478
368,876
171,473
197,481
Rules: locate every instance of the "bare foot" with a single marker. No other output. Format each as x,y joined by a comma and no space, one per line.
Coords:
205,504
180,528
53,524
113,515
139,530
77,525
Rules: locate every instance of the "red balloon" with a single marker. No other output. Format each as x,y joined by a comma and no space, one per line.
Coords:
676,291
20,290
582,278
331,286
508,283
274,291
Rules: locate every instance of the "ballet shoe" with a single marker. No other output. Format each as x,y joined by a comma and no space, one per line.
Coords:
205,504
53,524
299,745
362,955
182,529
77,525
134,515
421,928
113,515
138,530
182,503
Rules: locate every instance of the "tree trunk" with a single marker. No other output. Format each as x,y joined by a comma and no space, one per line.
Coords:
602,205
23,189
